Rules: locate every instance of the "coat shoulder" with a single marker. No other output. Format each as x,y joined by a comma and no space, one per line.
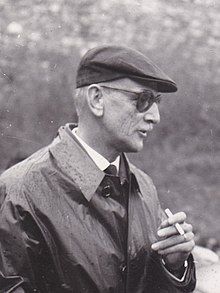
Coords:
14,180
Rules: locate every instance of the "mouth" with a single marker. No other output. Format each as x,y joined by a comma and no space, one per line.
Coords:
143,133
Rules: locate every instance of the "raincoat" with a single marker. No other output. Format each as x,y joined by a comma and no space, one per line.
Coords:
66,226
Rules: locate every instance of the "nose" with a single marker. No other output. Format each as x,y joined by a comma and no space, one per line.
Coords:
152,115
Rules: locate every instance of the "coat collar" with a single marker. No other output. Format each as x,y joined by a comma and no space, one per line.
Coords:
72,159
75,162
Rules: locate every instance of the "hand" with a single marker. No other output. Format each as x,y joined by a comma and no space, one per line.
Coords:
173,247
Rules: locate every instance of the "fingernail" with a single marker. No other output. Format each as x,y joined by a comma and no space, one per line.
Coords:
160,233
154,246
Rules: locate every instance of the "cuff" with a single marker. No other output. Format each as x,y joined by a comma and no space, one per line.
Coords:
188,282
171,274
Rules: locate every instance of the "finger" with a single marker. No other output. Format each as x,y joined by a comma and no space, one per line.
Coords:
185,247
176,218
172,241
171,230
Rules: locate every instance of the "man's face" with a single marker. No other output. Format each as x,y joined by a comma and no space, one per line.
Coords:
125,127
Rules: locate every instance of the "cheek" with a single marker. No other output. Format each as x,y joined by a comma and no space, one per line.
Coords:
127,123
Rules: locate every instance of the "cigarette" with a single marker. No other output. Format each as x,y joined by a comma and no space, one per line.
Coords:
177,225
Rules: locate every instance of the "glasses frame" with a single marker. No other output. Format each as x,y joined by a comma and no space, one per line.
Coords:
140,95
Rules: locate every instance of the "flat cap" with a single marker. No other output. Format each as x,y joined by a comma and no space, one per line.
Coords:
106,63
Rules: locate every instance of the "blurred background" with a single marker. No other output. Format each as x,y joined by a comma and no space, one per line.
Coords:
41,43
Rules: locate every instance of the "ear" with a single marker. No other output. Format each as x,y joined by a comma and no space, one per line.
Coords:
95,100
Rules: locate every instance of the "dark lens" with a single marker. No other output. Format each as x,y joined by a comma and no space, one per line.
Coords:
145,100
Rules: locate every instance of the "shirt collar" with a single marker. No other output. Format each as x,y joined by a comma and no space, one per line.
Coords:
101,162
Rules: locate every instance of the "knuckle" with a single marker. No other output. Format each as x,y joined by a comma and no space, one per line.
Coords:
189,227
183,215
189,248
191,235
192,245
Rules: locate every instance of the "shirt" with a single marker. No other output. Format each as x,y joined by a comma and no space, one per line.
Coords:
101,162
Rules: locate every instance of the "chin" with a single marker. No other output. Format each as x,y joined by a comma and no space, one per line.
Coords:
134,148
129,146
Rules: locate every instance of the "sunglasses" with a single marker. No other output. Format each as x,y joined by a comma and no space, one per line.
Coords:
145,99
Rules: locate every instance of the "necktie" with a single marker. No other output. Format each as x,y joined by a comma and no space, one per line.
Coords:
111,169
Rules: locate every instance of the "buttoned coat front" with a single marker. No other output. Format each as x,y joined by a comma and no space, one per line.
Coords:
66,226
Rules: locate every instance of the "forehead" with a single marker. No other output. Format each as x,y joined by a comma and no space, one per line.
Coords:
132,85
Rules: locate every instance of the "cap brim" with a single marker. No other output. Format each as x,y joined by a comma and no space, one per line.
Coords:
163,86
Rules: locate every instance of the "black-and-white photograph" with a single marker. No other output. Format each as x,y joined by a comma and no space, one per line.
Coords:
110,146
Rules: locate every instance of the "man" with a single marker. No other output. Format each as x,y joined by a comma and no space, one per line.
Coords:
73,222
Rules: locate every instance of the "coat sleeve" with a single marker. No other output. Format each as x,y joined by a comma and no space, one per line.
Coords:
189,281
25,261
170,284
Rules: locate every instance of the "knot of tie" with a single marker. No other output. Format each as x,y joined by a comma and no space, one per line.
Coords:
111,170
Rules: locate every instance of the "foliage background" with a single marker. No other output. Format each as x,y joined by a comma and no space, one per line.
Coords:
41,43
